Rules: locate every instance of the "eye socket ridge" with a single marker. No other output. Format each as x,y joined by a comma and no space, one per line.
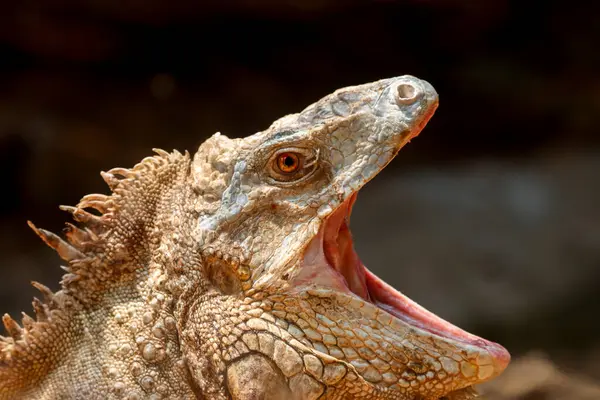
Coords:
292,164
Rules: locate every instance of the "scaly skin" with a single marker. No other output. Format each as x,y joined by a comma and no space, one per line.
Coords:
226,276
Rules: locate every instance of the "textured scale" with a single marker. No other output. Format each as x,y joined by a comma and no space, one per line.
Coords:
187,282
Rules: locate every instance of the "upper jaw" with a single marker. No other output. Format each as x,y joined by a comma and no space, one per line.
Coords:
399,113
357,147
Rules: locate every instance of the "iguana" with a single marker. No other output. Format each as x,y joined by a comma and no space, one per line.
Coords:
232,274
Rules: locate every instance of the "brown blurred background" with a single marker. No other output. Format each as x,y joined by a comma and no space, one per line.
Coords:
491,218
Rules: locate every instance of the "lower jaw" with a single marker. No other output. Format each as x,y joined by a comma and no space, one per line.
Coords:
339,265
402,307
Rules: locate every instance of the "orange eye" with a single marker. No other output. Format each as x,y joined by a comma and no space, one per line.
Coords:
288,162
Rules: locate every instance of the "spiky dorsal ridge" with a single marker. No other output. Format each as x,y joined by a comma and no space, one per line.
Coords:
99,251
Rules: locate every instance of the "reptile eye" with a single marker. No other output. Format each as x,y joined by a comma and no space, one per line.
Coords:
292,165
288,162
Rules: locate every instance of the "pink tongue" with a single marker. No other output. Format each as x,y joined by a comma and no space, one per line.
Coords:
394,302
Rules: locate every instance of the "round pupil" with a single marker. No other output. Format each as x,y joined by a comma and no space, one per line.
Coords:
289,161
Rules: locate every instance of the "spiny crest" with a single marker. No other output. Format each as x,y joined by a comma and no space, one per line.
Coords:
51,312
96,252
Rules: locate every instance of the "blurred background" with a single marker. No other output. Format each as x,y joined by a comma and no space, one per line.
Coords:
490,218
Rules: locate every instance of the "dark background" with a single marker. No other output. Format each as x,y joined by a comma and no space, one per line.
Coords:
491,218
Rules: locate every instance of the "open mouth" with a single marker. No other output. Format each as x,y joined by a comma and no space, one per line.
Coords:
334,247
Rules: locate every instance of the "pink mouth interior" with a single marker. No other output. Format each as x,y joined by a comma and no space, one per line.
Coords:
338,250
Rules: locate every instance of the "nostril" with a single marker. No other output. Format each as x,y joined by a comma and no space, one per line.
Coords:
407,93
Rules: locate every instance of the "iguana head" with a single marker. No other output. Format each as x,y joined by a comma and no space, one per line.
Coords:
274,229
